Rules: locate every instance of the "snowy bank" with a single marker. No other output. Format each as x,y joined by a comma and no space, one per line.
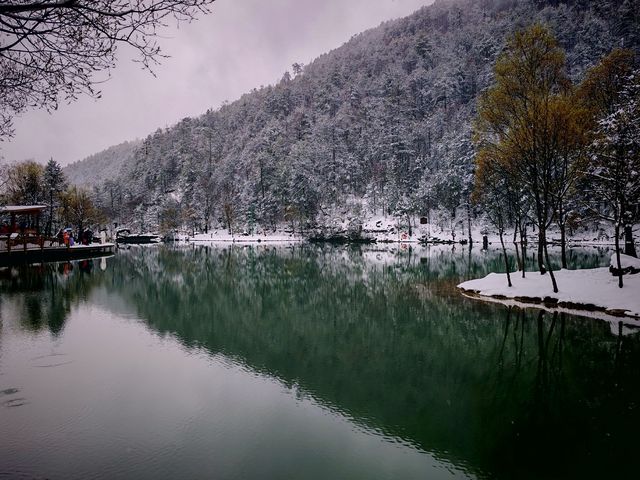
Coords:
217,236
627,263
589,289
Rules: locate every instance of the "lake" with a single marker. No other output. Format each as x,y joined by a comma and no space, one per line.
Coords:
306,362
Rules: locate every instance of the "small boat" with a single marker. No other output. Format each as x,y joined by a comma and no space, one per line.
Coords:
125,236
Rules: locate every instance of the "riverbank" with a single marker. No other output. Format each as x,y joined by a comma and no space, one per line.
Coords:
593,289
390,230
216,236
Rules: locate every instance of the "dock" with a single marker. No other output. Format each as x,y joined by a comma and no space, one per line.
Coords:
21,255
22,242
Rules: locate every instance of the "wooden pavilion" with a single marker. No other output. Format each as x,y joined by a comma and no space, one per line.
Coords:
30,215
22,242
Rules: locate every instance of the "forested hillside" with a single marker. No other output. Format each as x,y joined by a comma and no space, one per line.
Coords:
380,125
101,166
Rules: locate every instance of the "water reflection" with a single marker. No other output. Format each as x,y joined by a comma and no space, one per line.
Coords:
393,345
383,337
42,295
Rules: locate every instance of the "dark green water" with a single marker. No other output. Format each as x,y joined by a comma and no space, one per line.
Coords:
304,362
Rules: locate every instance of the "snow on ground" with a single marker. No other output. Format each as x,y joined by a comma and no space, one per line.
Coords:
392,229
262,237
395,229
626,261
577,288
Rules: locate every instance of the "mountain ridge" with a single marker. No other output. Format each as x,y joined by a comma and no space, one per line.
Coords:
100,166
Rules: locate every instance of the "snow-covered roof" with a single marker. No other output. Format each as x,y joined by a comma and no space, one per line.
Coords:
24,209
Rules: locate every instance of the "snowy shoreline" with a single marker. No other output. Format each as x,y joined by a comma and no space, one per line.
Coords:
380,237
593,289
392,230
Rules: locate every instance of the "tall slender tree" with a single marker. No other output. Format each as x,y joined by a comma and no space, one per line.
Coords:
54,183
615,164
492,189
607,92
519,122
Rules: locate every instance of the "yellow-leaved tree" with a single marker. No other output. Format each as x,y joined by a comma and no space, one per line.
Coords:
529,127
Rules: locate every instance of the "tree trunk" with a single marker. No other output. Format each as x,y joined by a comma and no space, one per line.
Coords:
523,247
469,223
629,246
542,240
515,244
553,277
617,232
563,244
50,220
506,259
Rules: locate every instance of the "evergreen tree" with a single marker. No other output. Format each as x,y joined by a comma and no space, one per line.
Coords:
615,163
54,183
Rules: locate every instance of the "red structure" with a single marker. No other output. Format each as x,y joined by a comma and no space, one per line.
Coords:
22,243
30,219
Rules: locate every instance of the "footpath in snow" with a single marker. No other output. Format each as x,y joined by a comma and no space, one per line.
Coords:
588,289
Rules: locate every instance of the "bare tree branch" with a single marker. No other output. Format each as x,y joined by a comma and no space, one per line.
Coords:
52,50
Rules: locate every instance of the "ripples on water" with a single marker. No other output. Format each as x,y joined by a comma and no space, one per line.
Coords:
304,362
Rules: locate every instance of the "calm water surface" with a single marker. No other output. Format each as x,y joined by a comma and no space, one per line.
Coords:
304,362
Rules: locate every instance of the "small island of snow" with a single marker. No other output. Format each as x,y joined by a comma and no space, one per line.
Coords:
590,289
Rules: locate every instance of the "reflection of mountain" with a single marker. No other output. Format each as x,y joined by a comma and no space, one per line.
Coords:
394,346
42,295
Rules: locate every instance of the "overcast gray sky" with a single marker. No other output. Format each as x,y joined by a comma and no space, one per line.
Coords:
242,44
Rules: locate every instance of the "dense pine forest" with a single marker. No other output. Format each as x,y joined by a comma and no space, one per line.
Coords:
382,125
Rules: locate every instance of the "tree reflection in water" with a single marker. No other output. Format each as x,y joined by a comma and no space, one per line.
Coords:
42,295
386,339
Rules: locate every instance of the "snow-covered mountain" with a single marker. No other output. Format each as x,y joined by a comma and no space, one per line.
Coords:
383,123
101,166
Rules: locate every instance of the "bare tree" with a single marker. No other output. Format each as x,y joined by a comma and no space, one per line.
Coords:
493,190
78,209
53,50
